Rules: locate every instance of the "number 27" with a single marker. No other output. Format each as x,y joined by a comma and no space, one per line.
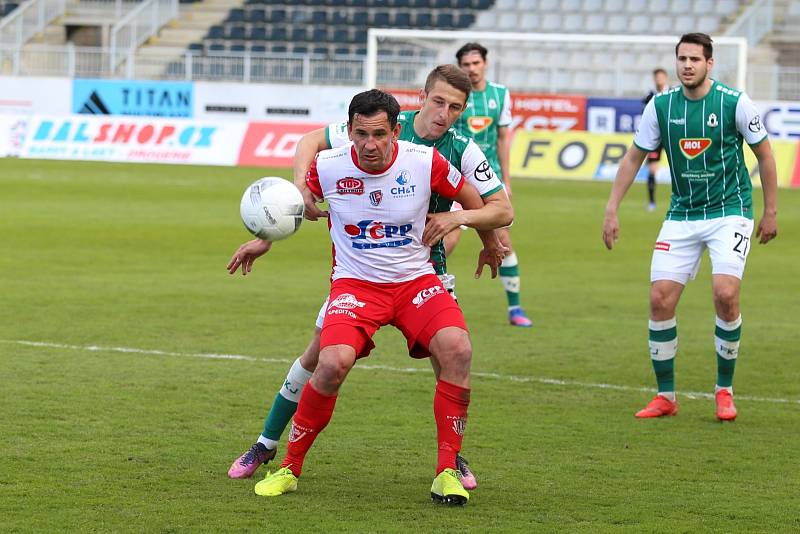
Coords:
743,239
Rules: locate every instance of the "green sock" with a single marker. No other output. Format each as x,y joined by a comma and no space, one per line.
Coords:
663,341
726,338
285,403
509,276
278,418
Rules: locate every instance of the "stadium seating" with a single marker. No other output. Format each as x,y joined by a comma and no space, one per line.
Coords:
7,7
330,27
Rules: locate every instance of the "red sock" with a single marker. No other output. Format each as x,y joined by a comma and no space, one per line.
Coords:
314,411
450,410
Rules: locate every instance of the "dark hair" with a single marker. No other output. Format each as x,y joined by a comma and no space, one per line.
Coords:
701,39
370,103
471,47
452,76
659,70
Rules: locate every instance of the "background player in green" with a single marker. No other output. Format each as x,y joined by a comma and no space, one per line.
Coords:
443,100
702,125
486,120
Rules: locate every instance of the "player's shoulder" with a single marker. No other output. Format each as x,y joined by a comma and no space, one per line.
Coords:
414,150
407,116
455,138
497,86
332,155
666,92
727,89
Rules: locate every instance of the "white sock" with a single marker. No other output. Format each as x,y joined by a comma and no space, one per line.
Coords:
670,395
295,380
268,443
717,389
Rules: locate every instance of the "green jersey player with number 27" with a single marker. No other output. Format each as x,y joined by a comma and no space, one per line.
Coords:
702,125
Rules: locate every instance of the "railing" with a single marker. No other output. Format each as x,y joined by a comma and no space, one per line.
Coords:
135,28
755,23
104,7
29,19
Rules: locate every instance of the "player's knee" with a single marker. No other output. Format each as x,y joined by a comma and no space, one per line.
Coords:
454,350
662,303
726,299
332,368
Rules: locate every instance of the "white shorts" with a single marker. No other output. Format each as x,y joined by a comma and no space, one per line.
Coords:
680,246
321,314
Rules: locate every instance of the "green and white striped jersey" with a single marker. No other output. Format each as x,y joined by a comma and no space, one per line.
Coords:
703,142
460,151
486,111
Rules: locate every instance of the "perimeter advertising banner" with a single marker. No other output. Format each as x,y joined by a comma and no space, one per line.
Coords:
530,111
134,139
29,95
132,97
594,156
272,144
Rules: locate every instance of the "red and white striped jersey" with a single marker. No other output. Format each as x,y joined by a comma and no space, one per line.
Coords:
377,219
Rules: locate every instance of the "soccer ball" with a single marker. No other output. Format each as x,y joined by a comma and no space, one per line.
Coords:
272,208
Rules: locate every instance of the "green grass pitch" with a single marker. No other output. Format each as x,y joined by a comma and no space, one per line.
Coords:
113,416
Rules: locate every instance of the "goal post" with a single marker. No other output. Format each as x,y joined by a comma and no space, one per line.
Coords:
590,64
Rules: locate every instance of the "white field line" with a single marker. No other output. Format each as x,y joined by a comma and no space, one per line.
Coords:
425,370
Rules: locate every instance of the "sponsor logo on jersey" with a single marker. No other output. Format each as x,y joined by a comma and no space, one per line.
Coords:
427,294
350,186
712,120
369,234
484,172
694,146
477,123
678,122
404,190
375,197
755,124
662,245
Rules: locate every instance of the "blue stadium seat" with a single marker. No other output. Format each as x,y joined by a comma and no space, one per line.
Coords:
216,32
319,17
320,34
402,19
277,15
400,3
465,20
300,49
341,35
300,16
461,4
423,20
342,51
216,47
258,33
440,4
360,18
299,34
280,49
196,47
279,33
236,15
444,20
258,49
257,15
380,19
237,33
340,18
237,47
359,36
420,3
320,50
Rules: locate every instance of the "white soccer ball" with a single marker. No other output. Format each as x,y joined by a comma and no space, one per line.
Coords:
272,208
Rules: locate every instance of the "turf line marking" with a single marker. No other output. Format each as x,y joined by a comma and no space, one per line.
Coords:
425,370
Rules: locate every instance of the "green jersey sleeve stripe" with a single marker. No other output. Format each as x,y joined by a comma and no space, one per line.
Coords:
492,192
637,145
328,136
760,140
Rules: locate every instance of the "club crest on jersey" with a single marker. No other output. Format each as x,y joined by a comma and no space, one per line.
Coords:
375,197
712,120
404,189
350,186
369,234
492,104
694,146
478,124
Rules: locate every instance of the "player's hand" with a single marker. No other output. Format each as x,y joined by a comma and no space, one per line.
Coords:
767,228
610,230
312,212
492,257
246,254
438,225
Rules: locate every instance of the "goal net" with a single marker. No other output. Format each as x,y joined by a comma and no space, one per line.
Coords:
592,65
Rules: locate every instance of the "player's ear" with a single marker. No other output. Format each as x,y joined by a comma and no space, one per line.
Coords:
396,131
422,95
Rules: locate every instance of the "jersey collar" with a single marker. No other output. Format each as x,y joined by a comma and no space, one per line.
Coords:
354,156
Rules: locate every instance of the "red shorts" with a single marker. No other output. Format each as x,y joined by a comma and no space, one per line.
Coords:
418,308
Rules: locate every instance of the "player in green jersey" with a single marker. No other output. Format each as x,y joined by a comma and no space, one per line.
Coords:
487,120
702,125
443,100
